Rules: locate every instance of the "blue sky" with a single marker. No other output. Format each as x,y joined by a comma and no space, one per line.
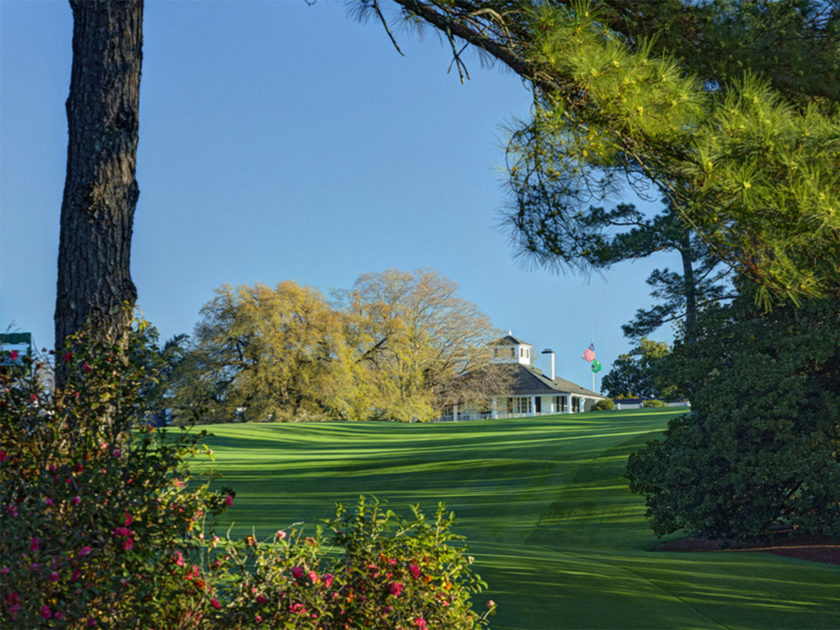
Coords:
285,141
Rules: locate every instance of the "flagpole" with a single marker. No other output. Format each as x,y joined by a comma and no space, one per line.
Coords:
593,373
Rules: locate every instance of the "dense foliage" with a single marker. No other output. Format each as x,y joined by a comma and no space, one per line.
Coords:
94,502
760,448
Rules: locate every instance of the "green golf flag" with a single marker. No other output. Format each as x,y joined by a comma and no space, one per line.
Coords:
595,366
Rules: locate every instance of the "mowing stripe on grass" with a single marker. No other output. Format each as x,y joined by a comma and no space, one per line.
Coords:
546,509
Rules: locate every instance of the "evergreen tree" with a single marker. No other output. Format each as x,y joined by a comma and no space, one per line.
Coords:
746,154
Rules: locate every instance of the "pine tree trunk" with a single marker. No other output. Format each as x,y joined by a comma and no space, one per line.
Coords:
100,190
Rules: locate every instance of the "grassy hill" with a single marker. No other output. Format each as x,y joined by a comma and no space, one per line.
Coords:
548,516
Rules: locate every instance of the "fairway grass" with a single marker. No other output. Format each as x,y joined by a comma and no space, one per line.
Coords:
545,507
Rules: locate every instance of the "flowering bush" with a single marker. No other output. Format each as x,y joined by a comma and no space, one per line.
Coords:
103,526
93,501
389,572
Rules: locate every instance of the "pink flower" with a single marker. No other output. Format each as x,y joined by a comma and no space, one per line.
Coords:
46,613
313,576
76,500
415,570
297,572
420,622
2,455
85,368
33,544
178,558
490,603
328,579
128,543
229,499
215,603
84,551
76,575
396,588
128,519
122,531
48,501
54,577
261,599
13,355
91,622
4,570
280,534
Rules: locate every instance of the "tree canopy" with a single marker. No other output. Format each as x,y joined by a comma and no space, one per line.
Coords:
728,109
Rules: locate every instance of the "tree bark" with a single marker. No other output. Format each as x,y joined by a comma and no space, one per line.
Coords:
100,189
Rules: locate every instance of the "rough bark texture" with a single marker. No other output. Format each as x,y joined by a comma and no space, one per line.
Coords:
100,190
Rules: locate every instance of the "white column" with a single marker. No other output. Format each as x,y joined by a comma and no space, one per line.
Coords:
568,403
455,412
533,406
494,412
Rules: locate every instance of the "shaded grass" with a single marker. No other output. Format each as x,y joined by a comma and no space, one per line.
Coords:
546,509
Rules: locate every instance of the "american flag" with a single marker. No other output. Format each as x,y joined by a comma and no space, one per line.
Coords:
589,353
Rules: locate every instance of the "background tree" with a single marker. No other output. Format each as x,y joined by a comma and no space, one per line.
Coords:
643,372
263,354
416,339
100,190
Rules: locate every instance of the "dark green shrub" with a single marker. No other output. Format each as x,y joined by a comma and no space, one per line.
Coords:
605,404
760,448
654,403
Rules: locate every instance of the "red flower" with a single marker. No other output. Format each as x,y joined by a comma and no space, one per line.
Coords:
76,500
33,544
415,570
420,622
13,355
396,588
84,551
91,622
229,499
85,368
297,572
46,613
54,577
3,458
128,519
68,356
128,543
215,603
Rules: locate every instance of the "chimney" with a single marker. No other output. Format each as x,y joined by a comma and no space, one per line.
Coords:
550,353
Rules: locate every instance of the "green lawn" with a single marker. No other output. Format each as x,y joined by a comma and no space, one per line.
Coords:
555,531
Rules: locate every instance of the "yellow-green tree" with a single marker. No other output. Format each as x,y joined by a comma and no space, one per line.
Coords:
416,338
263,354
